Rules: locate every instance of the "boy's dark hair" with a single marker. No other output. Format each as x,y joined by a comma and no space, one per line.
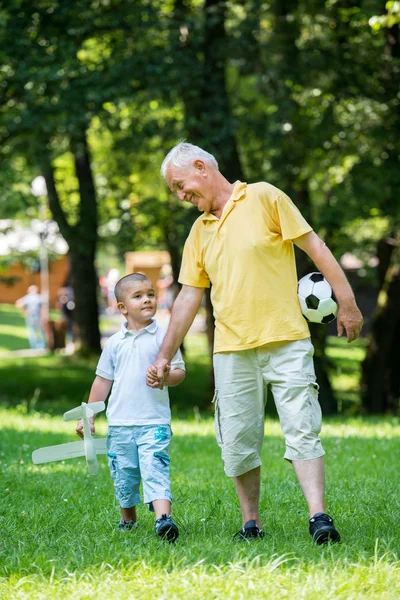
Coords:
122,284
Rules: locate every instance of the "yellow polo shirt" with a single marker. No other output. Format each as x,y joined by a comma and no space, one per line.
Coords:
248,257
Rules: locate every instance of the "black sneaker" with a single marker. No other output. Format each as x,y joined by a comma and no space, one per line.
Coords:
249,532
126,525
166,528
322,529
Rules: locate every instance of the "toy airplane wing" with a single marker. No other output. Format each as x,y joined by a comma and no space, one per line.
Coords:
64,451
88,447
85,411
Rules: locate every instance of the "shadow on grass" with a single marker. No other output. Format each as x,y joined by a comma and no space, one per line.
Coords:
12,342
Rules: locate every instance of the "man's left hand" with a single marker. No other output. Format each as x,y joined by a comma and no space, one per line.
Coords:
350,319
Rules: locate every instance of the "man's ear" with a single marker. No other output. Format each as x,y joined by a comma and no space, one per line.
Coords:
199,165
122,308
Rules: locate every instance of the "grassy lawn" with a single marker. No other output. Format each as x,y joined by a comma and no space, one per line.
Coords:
13,334
58,536
56,382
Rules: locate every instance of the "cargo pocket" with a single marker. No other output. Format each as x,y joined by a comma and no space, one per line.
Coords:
162,457
217,419
113,465
315,407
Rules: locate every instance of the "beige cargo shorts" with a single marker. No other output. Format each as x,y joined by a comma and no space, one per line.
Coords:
241,383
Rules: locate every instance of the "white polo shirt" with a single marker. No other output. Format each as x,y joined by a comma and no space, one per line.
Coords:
124,360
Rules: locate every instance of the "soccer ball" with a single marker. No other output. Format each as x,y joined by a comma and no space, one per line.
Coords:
317,300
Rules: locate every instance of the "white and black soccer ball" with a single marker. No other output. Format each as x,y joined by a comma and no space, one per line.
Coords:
317,300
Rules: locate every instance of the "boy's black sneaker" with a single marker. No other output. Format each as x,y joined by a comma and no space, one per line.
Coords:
165,528
322,529
126,525
250,531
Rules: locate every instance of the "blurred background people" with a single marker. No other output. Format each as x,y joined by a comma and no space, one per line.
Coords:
32,305
111,280
66,304
165,293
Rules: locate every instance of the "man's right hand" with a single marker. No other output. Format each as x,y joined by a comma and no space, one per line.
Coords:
79,428
162,366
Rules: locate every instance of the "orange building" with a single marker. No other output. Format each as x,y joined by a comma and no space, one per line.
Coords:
15,280
149,263
18,239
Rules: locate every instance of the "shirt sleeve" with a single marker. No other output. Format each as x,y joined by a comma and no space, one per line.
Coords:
292,223
192,270
105,366
177,362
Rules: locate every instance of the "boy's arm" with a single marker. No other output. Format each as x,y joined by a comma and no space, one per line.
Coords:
175,377
100,389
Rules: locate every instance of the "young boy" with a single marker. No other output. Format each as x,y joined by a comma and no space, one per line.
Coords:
138,414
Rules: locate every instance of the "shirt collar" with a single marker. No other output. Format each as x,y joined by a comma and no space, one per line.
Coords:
238,193
151,328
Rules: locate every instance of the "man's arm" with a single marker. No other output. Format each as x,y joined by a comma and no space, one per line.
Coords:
100,389
349,317
184,310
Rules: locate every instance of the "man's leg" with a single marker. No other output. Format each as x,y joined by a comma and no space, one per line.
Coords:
239,427
311,477
248,491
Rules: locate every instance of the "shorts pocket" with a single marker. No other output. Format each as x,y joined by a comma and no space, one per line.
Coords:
163,457
112,463
217,419
315,407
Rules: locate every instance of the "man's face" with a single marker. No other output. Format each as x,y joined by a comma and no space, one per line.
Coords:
191,185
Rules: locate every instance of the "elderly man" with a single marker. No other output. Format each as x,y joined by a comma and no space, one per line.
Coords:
242,244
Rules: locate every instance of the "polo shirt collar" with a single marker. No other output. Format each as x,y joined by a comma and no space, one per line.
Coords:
238,193
151,328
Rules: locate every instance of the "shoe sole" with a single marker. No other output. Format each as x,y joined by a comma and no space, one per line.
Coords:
326,537
169,533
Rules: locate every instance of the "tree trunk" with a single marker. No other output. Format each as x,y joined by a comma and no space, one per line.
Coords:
84,283
82,242
380,369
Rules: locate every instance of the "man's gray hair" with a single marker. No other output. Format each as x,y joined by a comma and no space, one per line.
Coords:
183,155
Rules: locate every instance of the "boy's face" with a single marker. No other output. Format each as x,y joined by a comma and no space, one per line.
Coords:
139,301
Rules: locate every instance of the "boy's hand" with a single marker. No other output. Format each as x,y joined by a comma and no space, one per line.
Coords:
79,428
152,378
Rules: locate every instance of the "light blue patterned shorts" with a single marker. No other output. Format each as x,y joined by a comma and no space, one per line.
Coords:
135,453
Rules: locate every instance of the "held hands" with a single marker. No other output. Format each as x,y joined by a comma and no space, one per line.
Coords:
79,428
157,374
349,318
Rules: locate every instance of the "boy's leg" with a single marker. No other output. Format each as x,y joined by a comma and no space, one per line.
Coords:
123,460
154,466
161,507
128,514
153,442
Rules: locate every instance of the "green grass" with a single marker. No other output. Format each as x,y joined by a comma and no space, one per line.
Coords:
12,329
58,537
13,333
63,381
54,383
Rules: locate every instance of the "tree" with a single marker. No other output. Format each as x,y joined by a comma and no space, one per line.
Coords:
61,64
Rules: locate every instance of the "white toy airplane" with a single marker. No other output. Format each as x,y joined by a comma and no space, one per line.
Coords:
88,447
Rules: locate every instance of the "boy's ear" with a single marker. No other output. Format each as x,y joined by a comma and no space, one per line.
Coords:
122,308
